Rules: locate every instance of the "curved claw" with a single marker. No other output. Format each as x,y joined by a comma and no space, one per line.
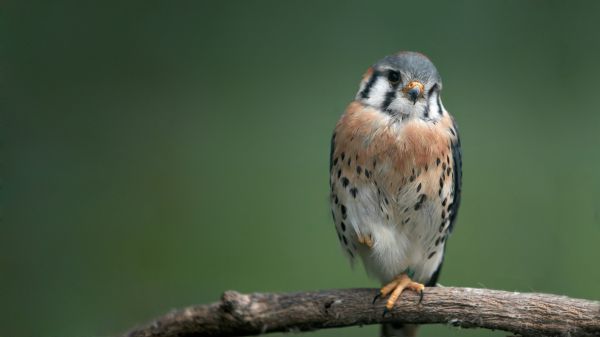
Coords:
420,296
386,311
378,296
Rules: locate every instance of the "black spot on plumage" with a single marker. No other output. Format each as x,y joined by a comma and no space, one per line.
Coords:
345,181
419,187
343,155
441,182
405,210
420,201
354,191
350,253
336,200
431,255
374,163
452,131
345,240
387,202
344,214
358,169
349,161
335,161
426,167
437,241
339,173
443,214
367,173
437,161
412,178
406,221
448,170
444,201
443,167
343,225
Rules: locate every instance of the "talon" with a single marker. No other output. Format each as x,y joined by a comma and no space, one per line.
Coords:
385,312
395,289
378,296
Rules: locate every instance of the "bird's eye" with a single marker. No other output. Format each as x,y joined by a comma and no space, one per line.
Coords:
393,76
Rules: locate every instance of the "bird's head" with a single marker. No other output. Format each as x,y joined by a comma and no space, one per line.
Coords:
404,84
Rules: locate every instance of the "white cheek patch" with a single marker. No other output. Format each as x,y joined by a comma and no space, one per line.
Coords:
434,108
378,92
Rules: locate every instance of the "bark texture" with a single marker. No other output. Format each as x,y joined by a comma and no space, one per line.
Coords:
524,314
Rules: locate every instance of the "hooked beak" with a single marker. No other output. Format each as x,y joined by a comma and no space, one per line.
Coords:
414,89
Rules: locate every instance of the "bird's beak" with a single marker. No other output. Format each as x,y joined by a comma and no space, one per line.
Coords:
414,89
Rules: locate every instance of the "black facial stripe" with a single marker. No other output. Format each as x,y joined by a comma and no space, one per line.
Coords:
432,90
435,91
389,97
365,92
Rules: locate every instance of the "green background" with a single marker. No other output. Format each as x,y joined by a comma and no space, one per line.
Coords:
155,154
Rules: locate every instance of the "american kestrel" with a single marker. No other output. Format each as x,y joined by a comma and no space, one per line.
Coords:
395,176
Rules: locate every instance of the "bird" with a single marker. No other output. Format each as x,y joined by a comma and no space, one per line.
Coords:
395,177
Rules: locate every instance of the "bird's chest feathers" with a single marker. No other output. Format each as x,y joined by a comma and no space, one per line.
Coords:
394,179
377,139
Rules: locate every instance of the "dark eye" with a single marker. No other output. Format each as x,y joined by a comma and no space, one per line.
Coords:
393,76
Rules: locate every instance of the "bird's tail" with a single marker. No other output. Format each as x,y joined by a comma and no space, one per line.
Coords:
398,330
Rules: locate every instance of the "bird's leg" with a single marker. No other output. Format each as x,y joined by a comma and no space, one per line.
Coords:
396,287
366,240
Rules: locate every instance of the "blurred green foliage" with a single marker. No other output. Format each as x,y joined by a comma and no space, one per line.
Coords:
155,154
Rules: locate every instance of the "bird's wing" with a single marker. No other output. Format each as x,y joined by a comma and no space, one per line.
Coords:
457,161
457,187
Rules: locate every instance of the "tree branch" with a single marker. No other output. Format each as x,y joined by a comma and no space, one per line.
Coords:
526,314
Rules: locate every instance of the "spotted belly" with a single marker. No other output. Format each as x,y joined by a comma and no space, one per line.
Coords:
407,224
398,193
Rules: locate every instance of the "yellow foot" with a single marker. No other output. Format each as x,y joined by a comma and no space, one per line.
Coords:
366,240
396,287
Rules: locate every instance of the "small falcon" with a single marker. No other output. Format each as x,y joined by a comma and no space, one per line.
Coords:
395,176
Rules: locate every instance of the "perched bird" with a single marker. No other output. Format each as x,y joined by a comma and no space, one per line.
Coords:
395,177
